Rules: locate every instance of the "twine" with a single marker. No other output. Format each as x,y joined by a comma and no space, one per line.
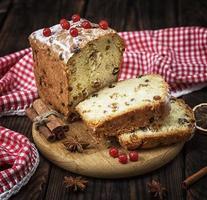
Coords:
42,119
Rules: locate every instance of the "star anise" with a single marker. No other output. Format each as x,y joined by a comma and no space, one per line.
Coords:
157,190
75,183
73,144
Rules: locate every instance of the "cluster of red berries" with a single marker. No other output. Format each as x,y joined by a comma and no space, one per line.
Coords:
123,157
65,24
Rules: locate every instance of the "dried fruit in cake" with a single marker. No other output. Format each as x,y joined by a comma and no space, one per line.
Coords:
73,54
178,126
123,107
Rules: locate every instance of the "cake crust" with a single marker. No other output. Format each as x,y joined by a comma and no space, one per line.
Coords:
181,132
67,69
131,118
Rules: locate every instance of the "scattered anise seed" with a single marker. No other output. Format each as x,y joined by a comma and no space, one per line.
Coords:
75,183
157,190
73,144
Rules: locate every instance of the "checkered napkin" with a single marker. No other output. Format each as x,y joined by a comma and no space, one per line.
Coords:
18,157
178,54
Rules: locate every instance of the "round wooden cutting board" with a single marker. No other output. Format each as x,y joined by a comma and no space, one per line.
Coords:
95,161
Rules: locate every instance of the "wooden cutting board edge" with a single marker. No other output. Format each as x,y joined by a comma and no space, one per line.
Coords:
99,164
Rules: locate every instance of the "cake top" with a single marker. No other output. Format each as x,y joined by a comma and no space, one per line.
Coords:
69,37
123,97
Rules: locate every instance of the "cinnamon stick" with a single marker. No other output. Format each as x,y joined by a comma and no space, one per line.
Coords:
194,177
55,124
31,113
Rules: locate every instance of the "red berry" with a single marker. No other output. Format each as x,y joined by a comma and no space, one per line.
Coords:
74,32
133,156
47,32
113,152
65,24
86,24
76,18
123,158
103,24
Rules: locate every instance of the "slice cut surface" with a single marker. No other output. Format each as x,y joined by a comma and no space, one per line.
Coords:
125,104
178,126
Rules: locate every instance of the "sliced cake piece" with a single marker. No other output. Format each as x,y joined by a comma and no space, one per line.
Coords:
126,105
177,126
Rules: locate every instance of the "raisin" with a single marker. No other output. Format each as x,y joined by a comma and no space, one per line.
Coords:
73,70
94,95
44,72
93,55
61,90
115,71
151,120
183,121
132,99
40,80
96,83
61,56
63,104
73,117
146,81
51,39
140,76
84,92
143,129
75,98
107,47
75,49
133,137
70,88
111,86
48,52
156,98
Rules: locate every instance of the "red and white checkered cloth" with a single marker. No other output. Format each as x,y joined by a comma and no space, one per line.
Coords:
178,54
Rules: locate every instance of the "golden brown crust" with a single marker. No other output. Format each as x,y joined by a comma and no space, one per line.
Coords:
145,141
53,76
48,69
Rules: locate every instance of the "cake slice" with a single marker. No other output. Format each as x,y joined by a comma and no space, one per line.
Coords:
177,126
126,105
70,67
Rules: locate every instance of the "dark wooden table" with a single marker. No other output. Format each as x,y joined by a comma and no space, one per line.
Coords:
18,18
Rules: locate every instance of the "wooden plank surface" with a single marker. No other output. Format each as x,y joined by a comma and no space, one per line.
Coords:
18,18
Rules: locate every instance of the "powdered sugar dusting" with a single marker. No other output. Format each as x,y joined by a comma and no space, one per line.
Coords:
64,44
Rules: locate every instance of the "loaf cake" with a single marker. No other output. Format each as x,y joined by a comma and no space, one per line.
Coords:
126,105
73,62
176,127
